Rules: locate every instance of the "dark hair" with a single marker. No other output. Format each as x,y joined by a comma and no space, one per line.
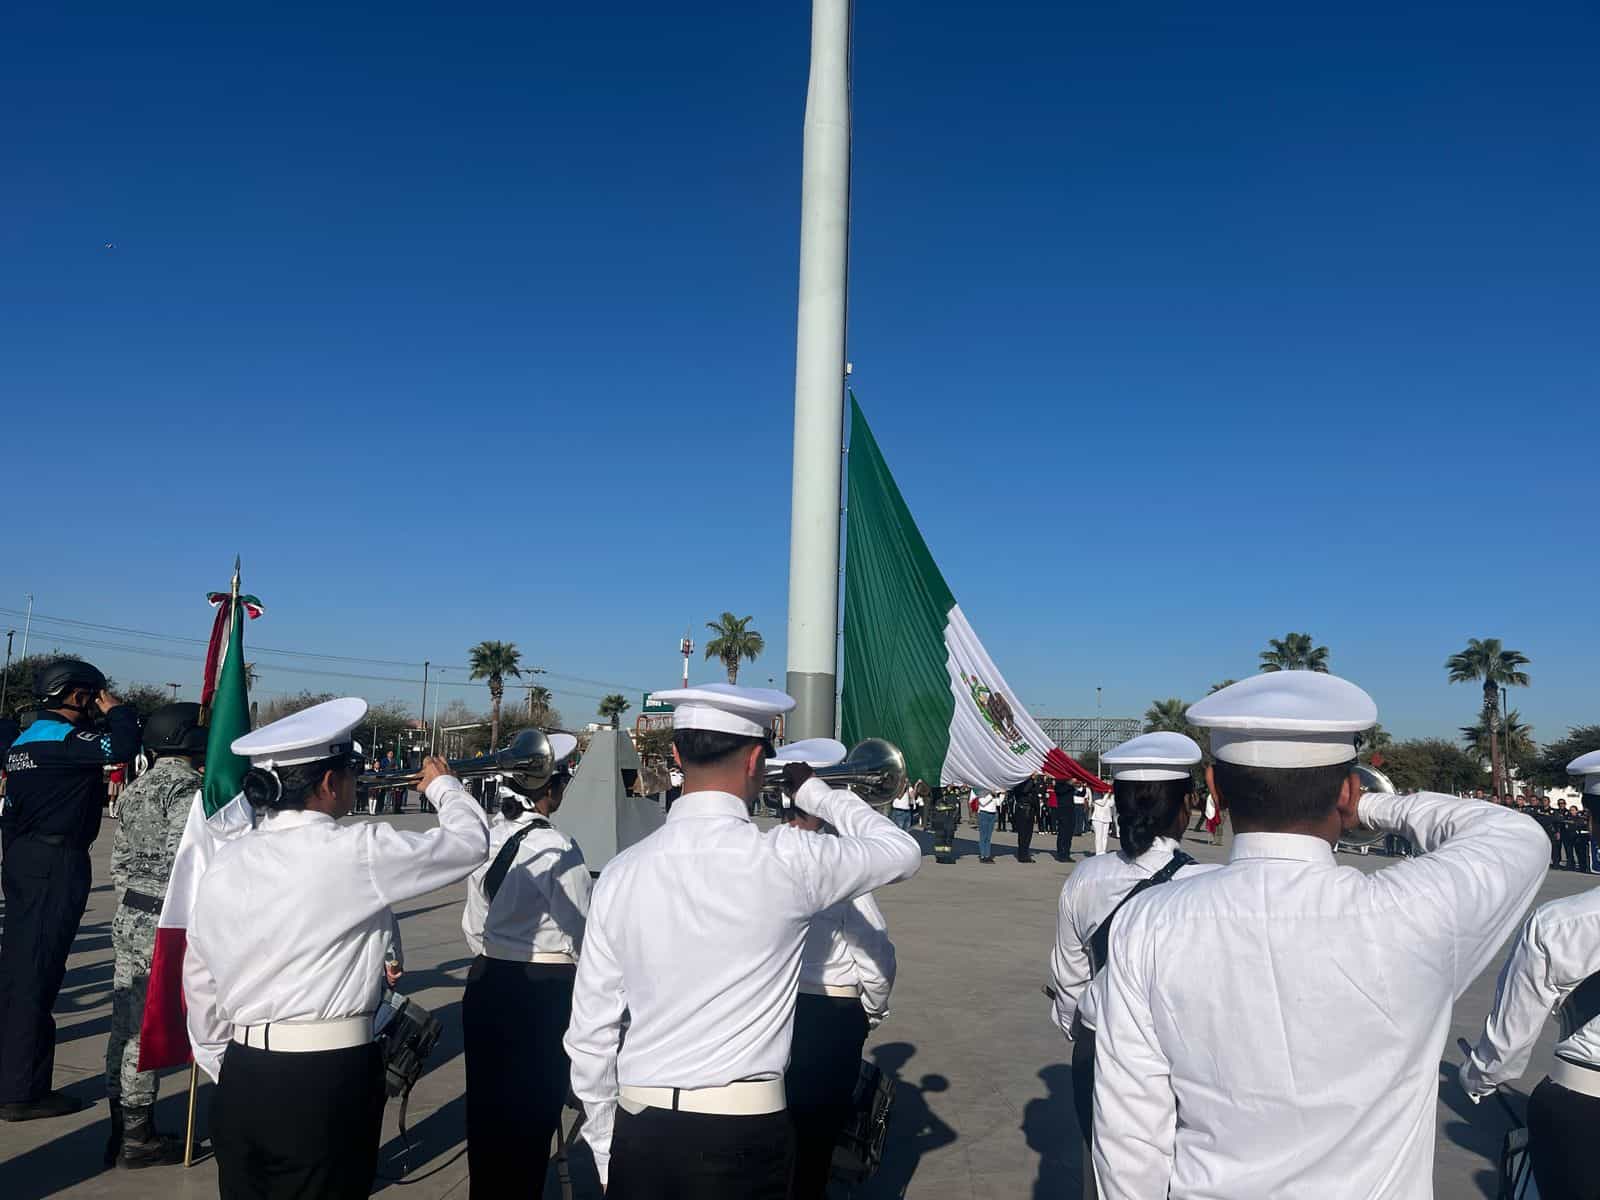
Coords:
1273,797
1146,810
288,787
1591,804
512,807
703,747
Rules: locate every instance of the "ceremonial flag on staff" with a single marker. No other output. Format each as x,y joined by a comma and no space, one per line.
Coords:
914,670
218,814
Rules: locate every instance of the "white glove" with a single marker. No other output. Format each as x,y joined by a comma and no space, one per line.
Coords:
1475,1094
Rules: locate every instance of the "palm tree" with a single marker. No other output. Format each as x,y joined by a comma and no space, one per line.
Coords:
494,661
1294,652
538,701
1168,716
1484,659
613,706
1515,737
1217,687
1374,741
734,640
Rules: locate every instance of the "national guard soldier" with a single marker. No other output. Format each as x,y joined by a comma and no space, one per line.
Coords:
684,1005
1259,1020
154,809
1555,967
55,791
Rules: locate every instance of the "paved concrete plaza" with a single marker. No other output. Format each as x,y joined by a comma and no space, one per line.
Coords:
983,1107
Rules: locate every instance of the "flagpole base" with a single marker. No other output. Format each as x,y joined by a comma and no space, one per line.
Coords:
813,714
188,1137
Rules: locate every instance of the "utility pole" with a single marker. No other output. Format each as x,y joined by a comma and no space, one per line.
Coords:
5,678
686,648
819,376
27,625
424,713
174,687
1099,731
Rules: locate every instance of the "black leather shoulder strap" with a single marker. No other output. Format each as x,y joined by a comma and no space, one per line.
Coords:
1100,943
508,855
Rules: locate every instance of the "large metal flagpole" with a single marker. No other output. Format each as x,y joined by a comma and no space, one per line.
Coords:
819,375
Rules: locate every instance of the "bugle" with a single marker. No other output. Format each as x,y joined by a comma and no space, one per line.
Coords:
874,769
1372,780
528,760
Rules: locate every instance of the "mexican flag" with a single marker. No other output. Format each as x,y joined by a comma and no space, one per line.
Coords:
914,670
219,814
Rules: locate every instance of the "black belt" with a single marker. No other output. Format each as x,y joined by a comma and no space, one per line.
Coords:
49,839
142,902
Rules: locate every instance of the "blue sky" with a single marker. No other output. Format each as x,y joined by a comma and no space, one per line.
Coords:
1180,331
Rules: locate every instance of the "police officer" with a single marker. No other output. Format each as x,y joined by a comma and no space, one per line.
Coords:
1026,798
948,802
524,920
55,790
154,809
285,960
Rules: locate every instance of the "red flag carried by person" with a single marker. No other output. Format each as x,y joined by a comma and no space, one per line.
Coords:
219,814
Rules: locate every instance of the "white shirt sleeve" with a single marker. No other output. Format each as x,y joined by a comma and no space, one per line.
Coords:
866,934
208,1033
1070,970
594,1035
1135,1111
1479,869
405,865
870,852
1530,987
569,894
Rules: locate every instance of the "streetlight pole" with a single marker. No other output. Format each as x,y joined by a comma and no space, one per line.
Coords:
5,678
27,625
424,713
1099,731
174,687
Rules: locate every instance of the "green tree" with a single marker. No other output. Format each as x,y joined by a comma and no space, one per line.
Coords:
1549,767
1168,716
145,697
493,661
1374,741
282,706
1431,764
1217,687
1485,661
734,642
1516,739
1294,652
613,706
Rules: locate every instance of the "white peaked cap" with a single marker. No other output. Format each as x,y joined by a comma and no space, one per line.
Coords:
725,708
561,747
1286,719
1588,766
1152,756
314,733
814,752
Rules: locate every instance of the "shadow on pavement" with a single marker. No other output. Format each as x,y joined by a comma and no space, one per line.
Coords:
914,1129
1050,1127
1478,1128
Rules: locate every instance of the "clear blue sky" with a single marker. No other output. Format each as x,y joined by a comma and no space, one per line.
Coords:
1181,330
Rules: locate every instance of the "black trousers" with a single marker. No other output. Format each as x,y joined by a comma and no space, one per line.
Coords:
1064,823
512,1017
297,1125
1561,1127
1024,823
824,1061
1083,1100
661,1155
46,888
944,835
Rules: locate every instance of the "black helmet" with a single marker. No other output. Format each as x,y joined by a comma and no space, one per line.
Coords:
175,729
55,679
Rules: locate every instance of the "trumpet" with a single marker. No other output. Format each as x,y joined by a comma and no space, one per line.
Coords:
874,769
528,760
1372,780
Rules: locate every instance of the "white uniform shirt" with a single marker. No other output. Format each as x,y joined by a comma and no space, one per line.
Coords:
291,919
1258,1021
848,945
696,932
904,800
990,801
542,903
1090,894
1559,948
1101,807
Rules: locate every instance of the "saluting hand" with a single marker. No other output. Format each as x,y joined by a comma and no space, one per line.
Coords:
105,701
795,776
433,767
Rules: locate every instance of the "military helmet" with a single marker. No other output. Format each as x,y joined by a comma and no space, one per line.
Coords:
55,679
175,729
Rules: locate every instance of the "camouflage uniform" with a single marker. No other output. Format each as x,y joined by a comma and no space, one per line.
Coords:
153,812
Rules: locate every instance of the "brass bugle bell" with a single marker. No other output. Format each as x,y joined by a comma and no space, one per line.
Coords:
528,760
1372,780
874,769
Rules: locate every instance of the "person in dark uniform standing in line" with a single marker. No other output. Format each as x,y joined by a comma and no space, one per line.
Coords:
1066,819
1024,811
55,790
947,804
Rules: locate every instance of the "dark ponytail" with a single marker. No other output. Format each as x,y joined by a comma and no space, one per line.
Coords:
280,788
512,807
1147,809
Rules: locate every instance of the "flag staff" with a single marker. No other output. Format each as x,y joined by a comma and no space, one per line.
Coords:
819,375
